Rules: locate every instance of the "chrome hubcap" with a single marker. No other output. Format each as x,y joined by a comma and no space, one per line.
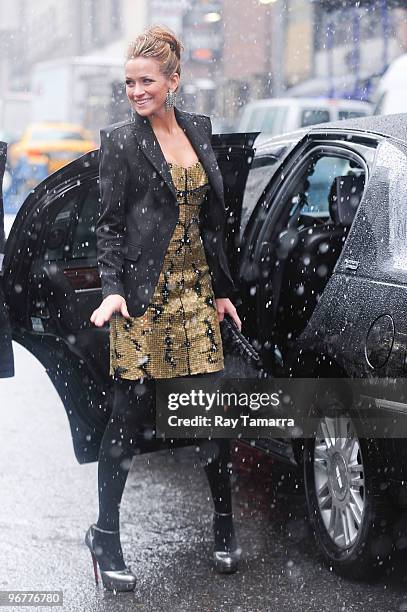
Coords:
339,479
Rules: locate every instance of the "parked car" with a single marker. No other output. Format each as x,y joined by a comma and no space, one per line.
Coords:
274,116
7,137
317,246
52,143
220,125
391,93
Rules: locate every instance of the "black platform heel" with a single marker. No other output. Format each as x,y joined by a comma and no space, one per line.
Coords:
227,553
106,552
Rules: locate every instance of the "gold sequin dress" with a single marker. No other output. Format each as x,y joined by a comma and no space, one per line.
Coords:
179,333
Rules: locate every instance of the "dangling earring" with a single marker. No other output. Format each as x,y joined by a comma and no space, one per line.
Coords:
170,100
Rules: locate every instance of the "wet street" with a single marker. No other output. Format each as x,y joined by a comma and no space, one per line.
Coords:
48,500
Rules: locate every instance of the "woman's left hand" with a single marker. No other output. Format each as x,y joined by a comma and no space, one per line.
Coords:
225,306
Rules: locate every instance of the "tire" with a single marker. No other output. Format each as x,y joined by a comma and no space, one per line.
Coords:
349,508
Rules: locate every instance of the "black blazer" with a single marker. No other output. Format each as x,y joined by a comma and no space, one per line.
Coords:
139,209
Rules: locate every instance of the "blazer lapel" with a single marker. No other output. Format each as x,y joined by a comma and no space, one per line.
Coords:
149,145
203,148
199,140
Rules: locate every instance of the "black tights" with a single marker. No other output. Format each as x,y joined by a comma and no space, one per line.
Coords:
133,408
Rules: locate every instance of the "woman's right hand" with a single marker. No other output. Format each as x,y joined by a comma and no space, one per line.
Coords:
111,304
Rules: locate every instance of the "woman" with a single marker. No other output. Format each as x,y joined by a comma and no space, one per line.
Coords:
165,281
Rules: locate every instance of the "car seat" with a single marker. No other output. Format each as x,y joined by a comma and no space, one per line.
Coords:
310,262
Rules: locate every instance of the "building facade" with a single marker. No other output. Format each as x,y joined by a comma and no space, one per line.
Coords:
235,50
90,33
352,46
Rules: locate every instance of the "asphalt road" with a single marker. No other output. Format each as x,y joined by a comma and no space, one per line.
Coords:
48,500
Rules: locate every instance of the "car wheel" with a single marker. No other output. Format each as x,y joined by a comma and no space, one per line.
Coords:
348,505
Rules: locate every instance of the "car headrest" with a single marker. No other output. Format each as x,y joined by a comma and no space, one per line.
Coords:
344,198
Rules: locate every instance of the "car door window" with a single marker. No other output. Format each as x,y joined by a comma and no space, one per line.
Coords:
319,183
260,174
382,254
71,235
84,236
311,116
57,238
311,197
351,114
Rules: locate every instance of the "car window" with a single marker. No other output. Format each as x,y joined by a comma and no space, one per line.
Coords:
383,220
84,236
348,114
311,116
378,241
319,183
259,176
71,234
44,135
273,121
57,237
268,120
314,188
380,104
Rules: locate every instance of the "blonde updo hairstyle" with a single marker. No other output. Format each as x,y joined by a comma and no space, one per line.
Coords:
160,43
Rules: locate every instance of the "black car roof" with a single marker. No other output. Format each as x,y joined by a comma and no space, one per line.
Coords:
391,126
394,126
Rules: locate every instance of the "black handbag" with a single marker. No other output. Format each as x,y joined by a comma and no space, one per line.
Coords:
240,358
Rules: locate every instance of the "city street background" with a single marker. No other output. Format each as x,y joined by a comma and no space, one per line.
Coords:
61,80
62,68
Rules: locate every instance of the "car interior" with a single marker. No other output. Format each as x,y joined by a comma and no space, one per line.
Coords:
318,212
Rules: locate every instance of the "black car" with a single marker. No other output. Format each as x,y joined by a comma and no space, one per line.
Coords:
317,242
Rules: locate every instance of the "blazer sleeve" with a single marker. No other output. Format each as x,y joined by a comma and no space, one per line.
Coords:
213,227
110,227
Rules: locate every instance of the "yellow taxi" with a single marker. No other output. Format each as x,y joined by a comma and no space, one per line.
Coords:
55,143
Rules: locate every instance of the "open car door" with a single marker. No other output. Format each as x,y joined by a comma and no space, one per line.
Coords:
234,153
6,349
51,280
